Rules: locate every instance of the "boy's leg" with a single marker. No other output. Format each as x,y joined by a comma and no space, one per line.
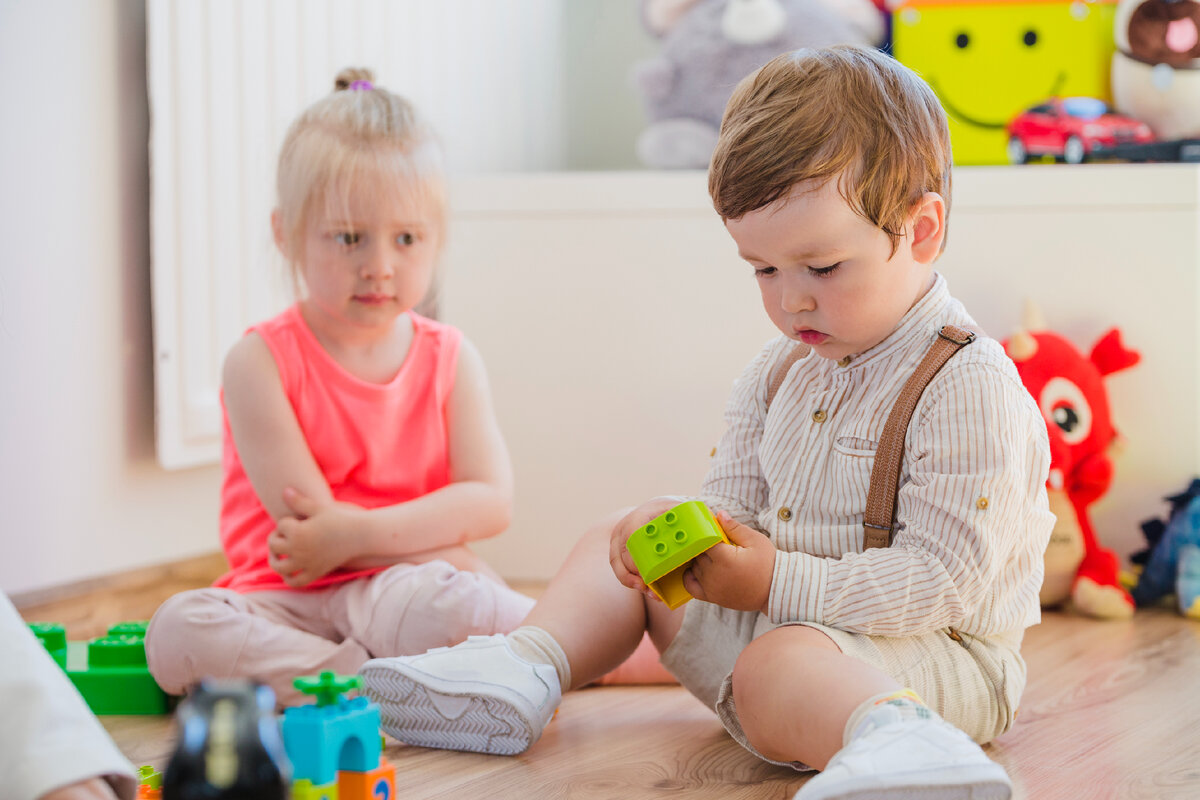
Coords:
496,694
273,637
800,699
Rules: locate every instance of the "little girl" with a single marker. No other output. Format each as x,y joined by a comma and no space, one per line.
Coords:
361,452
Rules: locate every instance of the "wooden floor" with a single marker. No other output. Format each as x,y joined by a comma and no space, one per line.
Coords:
1112,710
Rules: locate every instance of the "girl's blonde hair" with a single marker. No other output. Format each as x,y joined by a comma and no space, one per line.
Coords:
847,113
359,137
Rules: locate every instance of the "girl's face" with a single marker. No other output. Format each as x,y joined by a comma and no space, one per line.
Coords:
828,277
366,261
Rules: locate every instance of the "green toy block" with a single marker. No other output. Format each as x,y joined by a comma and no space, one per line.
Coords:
149,777
988,61
110,672
54,638
663,548
303,789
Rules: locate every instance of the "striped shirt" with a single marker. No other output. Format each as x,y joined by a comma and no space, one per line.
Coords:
972,519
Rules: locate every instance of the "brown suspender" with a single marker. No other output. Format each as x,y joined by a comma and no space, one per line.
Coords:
880,515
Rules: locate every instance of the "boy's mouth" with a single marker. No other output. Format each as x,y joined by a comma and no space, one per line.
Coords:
811,337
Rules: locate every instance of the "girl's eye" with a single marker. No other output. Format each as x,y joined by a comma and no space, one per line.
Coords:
763,272
346,239
823,272
406,238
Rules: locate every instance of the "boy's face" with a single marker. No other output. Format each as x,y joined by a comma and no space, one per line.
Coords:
827,275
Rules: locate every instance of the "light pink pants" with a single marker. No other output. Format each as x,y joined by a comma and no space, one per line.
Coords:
277,636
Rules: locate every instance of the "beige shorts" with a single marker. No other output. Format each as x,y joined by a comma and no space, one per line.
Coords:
975,684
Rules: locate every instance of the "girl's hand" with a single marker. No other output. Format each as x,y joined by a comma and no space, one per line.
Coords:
736,575
618,554
315,541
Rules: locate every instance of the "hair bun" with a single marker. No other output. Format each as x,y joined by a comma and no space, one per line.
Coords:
348,76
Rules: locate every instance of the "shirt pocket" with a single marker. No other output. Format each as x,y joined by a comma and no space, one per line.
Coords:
849,478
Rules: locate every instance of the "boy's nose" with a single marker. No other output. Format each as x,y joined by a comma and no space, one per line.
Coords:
795,299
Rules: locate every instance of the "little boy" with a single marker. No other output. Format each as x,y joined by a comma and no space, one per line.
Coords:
878,666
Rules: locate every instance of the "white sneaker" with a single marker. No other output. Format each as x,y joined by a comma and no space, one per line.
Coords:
478,696
918,759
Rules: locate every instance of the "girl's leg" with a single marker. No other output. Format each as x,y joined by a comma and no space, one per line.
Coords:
273,637
411,608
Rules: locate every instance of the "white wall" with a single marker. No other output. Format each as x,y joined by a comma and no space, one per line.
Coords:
80,491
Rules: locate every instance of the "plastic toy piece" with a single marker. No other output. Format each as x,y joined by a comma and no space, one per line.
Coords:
149,777
110,672
663,547
304,789
339,735
378,784
229,745
328,688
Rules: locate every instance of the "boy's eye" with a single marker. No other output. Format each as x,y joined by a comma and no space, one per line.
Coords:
346,238
406,238
763,272
822,272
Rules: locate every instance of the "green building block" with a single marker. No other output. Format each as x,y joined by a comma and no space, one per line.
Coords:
110,672
303,789
54,638
664,546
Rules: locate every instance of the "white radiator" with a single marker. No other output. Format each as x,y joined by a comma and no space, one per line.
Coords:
226,77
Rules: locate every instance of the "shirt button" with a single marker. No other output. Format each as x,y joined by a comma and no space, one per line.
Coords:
845,362
785,513
819,415
981,503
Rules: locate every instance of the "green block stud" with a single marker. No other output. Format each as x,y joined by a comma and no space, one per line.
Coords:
54,638
664,546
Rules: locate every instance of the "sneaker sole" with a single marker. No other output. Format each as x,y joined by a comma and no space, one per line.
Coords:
410,713
962,783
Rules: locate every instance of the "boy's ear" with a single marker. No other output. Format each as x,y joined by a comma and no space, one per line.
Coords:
277,232
928,227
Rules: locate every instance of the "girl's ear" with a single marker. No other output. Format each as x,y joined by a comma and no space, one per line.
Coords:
277,232
928,227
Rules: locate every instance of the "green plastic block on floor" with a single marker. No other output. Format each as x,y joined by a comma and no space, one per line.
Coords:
664,546
110,672
304,789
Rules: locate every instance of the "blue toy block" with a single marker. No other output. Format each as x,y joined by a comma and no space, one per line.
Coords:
331,735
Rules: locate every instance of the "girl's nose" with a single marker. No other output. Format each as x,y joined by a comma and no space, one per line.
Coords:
378,265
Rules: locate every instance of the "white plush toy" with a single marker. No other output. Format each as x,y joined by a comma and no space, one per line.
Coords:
1156,69
710,45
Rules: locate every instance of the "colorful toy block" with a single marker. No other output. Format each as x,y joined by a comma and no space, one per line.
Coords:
377,784
332,734
989,60
110,672
663,548
304,789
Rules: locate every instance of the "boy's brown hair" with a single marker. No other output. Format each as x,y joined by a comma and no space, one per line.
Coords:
848,113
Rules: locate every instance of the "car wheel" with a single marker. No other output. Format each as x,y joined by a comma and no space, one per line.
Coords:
1074,151
1017,153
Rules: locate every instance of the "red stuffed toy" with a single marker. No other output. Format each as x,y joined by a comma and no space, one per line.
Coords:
1069,389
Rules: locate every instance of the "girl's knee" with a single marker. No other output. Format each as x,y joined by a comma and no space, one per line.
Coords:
186,628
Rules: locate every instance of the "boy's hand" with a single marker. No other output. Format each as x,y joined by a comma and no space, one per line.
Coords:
736,575
618,554
314,542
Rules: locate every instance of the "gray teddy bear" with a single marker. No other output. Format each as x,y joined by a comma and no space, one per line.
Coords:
707,46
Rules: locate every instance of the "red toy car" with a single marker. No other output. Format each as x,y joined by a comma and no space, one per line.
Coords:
1070,128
